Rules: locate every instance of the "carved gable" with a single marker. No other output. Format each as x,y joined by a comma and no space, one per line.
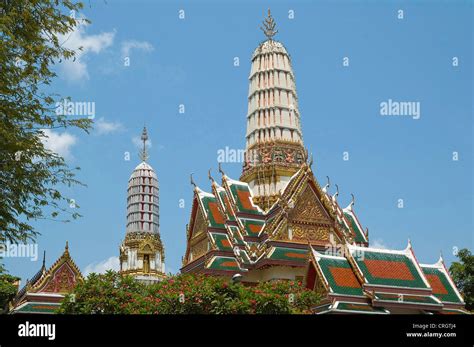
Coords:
63,280
308,209
62,277
199,226
198,244
308,220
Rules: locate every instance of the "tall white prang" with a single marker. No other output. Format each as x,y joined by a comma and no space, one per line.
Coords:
274,141
142,252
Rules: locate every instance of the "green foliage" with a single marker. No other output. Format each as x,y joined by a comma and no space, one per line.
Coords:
463,276
29,173
8,289
111,293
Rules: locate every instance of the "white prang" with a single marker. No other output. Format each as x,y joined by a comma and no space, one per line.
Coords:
143,200
272,101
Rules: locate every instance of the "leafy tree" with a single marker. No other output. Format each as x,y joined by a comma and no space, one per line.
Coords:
111,293
462,273
8,289
30,174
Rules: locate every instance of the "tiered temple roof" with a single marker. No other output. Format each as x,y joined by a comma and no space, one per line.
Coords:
44,292
228,233
381,281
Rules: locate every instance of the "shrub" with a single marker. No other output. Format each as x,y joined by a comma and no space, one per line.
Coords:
111,293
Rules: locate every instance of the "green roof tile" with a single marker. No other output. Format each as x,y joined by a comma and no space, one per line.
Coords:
224,263
36,307
222,242
243,199
293,254
389,269
340,276
216,219
359,234
442,289
252,227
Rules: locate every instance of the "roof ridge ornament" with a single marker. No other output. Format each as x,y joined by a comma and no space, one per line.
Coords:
326,187
144,138
351,204
192,181
269,26
210,176
44,260
334,197
220,170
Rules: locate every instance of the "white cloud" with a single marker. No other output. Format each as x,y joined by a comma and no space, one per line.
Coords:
101,267
75,70
378,243
127,46
59,143
104,127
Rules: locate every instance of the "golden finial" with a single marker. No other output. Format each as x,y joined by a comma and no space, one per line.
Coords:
269,26
144,154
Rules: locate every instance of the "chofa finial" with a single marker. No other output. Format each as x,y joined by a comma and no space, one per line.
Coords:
351,204
210,176
220,169
326,187
269,26
192,181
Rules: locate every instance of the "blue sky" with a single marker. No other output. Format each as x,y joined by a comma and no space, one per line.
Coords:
190,61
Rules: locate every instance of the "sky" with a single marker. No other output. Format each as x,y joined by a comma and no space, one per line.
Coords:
423,56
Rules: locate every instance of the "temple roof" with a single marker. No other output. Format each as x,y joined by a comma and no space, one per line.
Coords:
441,283
384,279
337,275
238,229
46,289
391,268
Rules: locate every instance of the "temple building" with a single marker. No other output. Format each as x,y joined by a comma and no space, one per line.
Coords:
44,292
277,223
142,252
